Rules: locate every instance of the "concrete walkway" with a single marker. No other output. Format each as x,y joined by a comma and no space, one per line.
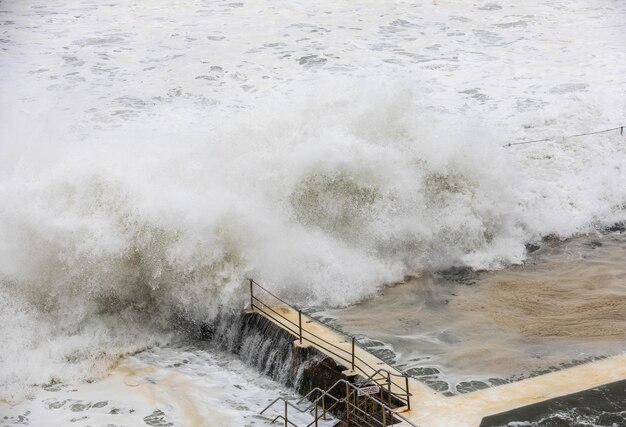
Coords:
432,409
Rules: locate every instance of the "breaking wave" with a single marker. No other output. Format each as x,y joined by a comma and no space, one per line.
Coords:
107,241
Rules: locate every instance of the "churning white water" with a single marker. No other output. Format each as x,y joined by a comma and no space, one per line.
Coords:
154,154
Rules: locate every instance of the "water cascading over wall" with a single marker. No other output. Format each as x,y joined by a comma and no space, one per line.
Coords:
260,343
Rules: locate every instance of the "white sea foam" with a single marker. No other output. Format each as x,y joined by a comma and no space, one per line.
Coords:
189,385
153,155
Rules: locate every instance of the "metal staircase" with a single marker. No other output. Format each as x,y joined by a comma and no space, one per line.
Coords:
376,401
356,408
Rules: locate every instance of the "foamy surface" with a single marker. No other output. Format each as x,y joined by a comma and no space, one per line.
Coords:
462,331
188,384
153,154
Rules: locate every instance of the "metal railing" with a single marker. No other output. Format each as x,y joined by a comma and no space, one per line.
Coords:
381,415
398,389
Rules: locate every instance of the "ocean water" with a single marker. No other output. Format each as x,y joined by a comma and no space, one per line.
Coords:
460,330
186,383
154,154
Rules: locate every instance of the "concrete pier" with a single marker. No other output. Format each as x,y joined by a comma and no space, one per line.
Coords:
430,408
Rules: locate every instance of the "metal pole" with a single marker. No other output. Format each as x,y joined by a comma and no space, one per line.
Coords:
408,394
286,420
251,296
323,407
353,354
315,414
348,403
384,417
389,388
300,324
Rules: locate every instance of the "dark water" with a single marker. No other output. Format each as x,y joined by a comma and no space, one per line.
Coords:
601,406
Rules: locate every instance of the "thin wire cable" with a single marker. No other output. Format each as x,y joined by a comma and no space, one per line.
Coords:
620,128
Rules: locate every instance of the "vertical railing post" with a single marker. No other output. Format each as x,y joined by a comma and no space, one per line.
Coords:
352,354
300,324
323,407
389,388
348,403
384,417
315,414
251,296
408,393
286,420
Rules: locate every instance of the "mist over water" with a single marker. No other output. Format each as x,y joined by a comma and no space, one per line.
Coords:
152,157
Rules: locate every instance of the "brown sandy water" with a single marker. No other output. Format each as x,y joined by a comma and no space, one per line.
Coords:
461,330
578,291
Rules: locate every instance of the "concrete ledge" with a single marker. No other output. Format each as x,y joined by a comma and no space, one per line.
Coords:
433,409
304,344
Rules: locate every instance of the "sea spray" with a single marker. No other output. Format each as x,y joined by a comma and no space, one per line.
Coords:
152,155
323,203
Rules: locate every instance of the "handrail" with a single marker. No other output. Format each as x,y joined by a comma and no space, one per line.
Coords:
369,379
279,299
284,417
275,312
300,332
355,356
306,396
284,400
355,389
293,332
326,394
286,420
283,317
294,324
337,401
309,332
407,393
301,410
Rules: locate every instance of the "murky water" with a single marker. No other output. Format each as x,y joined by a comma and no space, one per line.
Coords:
184,384
155,153
460,330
